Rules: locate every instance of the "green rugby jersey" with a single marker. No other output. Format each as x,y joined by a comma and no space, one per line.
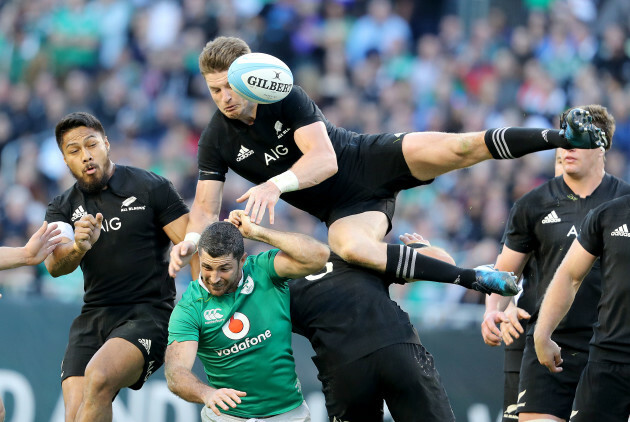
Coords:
244,338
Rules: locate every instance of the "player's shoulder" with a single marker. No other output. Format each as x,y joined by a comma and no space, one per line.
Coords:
616,186
549,191
192,296
615,206
132,177
67,198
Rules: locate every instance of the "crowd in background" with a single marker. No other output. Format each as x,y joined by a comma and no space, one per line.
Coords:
372,66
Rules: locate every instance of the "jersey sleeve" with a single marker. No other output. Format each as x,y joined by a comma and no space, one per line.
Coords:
56,212
300,109
167,202
184,324
265,261
519,236
590,236
209,158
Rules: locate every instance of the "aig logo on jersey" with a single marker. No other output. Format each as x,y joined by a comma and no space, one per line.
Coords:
213,315
237,327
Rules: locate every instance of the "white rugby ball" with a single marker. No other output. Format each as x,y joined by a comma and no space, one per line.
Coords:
260,77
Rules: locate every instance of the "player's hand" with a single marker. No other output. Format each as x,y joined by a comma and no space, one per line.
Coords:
181,254
259,199
244,223
41,243
512,329
222,398
87,230
410,239
489,330
548,353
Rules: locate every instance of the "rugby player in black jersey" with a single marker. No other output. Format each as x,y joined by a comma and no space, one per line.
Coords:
521,309
366,348
544,223
348,180
117,223
603,392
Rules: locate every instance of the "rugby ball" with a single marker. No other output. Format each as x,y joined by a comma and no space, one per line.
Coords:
261,78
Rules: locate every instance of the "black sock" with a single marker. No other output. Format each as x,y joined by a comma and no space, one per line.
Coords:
514,142
404,262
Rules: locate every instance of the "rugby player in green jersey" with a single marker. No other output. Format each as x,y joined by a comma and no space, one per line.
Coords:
236,318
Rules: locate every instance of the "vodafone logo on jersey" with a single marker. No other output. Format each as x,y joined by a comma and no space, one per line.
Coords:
236,327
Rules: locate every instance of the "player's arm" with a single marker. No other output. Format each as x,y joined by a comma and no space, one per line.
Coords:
318,163
74,245
557,302
500,309
299,256
38,247
178,363
176,230
204,211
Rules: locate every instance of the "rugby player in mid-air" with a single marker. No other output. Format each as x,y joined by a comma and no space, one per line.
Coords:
348,180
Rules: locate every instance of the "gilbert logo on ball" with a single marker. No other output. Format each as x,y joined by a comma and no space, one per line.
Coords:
261,78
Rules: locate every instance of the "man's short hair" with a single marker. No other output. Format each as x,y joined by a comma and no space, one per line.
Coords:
218,54
221,239
601,118
75,120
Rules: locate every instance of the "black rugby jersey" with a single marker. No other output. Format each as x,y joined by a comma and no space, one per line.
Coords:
129,262
605,233
346,313
267,148
546,221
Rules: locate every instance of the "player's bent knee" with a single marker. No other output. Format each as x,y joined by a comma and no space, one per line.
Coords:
98,382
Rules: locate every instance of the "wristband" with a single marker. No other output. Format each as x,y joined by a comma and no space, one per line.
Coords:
286,182
192,237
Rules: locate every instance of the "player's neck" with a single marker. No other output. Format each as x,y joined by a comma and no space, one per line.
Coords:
584,185
249,114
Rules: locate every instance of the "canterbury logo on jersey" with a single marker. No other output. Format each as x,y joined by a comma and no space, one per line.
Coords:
213,315
78,213
552,217
621,231
243,153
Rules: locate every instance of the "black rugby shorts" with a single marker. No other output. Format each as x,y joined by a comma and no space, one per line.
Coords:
404,375
603,394
143,325
541,391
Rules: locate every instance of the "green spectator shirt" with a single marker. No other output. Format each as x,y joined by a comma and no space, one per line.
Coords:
244,338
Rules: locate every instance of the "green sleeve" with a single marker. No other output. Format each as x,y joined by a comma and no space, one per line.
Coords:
184,324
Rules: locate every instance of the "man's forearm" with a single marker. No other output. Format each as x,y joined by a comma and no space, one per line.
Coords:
556,303
186,385
65,259
12,257
199,219
298,246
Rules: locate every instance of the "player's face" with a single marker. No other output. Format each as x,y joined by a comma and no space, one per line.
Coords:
86,152
229,102
580,162
220,275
